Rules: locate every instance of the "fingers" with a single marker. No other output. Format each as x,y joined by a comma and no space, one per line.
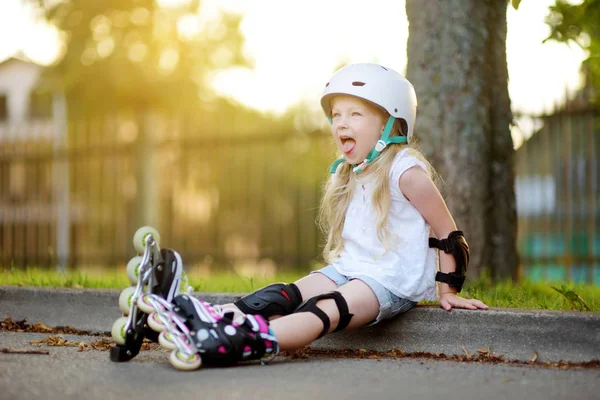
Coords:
480,304
468,305
459,302
445,305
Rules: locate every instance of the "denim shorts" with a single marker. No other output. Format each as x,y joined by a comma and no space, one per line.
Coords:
390,305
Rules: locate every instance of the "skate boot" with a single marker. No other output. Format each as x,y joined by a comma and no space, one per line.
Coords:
197,331
157,272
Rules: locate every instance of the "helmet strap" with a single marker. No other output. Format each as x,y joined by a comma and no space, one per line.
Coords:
376,151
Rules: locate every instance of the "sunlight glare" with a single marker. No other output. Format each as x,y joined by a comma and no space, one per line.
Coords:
43,44
294,47
168,60
137,52
172,3
188,26
539,74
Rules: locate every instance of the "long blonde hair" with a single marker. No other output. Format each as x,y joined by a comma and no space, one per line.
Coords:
338,193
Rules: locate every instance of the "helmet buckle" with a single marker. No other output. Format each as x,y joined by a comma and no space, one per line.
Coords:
360,167
380,145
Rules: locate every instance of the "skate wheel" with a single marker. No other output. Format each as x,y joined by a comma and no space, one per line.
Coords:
118,330
165,339
125,299
140,236
133,269
184,363
145,305
155,323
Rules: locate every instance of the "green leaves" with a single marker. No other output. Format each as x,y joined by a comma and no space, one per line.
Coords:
574,299
134,53
515,4
578,23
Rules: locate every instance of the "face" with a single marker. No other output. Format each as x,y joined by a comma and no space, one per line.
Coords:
356,127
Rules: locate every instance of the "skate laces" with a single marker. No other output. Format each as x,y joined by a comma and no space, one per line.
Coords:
157,302
185,286
261,328
206,311
178,331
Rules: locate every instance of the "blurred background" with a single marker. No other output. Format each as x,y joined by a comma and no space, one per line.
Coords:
202,119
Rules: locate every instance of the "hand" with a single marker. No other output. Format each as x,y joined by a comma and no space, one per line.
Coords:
449,300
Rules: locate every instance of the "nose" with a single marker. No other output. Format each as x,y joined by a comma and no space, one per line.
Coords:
342,122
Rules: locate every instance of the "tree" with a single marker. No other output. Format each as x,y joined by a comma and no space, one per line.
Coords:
579,24
457,63
135,53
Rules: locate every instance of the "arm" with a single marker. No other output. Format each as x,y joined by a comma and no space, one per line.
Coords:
418,188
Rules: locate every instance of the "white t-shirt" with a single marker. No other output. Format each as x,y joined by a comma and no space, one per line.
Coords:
407,268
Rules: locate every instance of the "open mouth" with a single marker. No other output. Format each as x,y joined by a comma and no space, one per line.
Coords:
348,144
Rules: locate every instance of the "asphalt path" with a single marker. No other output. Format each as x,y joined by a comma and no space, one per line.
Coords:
68,373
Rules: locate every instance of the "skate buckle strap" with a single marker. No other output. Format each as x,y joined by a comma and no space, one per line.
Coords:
271,337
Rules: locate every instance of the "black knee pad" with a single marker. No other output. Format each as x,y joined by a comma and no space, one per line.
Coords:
275,299
310,305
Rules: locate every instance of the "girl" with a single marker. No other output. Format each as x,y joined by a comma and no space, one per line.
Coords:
377,213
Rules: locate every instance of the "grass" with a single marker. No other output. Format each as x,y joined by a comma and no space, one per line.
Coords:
530,295
225,282
534,295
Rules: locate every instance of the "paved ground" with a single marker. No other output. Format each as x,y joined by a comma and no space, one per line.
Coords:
517,334
67,373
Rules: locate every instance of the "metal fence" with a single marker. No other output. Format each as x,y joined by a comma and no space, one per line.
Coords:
218,200
558,201
224,200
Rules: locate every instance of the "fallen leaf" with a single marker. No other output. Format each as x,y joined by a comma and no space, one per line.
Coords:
25,351
466,352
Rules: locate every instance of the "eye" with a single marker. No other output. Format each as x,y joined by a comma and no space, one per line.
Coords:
335,115
356,114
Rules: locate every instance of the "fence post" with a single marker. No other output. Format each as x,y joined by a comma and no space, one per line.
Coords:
60,178
147,200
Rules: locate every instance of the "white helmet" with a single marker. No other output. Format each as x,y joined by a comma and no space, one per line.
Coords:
377,84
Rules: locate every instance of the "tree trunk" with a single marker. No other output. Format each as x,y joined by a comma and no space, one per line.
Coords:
457,63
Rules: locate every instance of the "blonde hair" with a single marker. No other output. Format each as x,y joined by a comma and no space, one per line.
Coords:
338,193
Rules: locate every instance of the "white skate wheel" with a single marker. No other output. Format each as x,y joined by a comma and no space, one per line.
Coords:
118,330
125,299
133,269
166,341
144,304
184,363
155,323
139,238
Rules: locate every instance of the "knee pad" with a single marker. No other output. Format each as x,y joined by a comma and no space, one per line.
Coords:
275,299
310,305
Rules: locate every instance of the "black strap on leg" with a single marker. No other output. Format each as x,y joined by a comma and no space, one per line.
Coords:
310,305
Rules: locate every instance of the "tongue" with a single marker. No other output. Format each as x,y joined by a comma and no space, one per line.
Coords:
348,145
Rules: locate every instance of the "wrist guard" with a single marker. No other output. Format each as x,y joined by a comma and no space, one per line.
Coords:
455,244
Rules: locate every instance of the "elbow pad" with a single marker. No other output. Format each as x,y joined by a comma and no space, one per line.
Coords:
457,245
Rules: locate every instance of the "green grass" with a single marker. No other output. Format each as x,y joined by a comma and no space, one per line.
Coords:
530,295
225,282
536,295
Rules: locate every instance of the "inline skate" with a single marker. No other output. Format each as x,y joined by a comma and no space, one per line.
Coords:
154,271
196,331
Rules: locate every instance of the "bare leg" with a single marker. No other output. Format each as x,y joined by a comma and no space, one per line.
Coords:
314,284
300,329
309,286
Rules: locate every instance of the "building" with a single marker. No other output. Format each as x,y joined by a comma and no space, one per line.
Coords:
19,100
